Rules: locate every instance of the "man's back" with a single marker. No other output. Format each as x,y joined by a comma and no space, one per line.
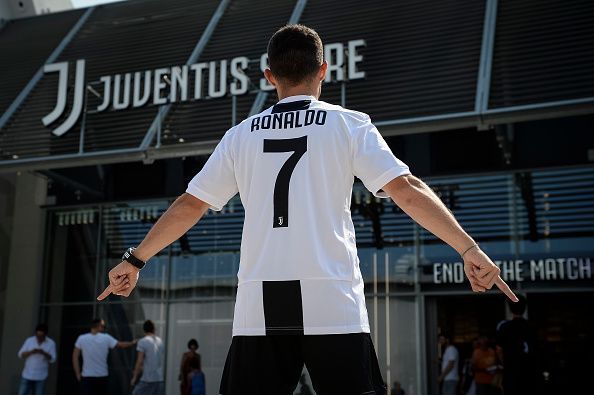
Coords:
95,348
152,347
516,338
294,166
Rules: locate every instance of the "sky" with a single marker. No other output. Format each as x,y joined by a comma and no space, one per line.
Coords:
89,3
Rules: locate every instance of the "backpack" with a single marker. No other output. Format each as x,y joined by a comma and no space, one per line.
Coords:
197,384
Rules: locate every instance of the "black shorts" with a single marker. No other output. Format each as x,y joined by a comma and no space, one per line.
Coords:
272,365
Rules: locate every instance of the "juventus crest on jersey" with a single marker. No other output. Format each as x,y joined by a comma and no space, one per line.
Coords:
294,166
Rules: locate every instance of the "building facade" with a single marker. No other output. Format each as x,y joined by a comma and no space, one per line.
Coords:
113,109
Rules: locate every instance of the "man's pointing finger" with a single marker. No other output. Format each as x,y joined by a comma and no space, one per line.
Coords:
505,289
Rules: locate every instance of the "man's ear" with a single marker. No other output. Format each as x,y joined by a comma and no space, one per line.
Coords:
270,77
323,70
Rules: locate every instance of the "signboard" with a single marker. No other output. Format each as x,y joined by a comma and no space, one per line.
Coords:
542,269
214,79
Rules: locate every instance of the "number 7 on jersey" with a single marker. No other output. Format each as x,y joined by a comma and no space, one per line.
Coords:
281,186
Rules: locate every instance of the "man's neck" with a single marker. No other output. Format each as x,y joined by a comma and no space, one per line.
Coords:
299,90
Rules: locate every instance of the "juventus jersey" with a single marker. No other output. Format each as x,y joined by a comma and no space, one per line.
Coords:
294,165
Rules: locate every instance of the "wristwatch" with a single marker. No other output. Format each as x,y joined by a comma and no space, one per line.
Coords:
129,257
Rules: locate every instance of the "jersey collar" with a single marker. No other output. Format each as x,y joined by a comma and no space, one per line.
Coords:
297,98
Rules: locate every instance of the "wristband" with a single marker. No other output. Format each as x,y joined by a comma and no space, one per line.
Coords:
130,258
468,249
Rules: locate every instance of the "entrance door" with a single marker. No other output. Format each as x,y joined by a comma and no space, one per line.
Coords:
463,318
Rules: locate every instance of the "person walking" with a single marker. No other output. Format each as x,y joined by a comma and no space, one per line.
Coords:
300,298
38,351
449,366
149,362
185,369
94,348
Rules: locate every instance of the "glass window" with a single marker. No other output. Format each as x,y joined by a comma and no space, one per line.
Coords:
72,254
65,324
396,338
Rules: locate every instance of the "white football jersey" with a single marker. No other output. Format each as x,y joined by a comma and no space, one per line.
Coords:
294,166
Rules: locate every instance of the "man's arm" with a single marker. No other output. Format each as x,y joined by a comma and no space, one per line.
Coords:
137,367
23,352
445,372
174,223
417,200
75,362
26,354
52,354
121,344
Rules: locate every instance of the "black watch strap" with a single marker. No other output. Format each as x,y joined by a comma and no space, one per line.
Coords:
129,257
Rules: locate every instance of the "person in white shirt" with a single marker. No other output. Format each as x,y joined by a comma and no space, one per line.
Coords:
149,361
300,295
449,366
38,352
94,348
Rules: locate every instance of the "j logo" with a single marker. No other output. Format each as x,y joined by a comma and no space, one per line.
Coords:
77,105
280,220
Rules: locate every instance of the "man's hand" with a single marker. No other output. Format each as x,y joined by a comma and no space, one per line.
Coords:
122,280
483,273
40,351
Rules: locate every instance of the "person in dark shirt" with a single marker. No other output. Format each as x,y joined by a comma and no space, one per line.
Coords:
516,347
185,385
397,389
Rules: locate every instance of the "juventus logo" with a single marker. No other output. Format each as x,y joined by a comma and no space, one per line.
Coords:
77,106
280,221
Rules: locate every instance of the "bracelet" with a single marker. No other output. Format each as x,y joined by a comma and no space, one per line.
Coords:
468,249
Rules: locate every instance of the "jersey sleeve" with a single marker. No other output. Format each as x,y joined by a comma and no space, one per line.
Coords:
215,184
77,344
373,161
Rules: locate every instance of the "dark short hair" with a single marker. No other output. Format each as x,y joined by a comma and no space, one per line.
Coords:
148,326
41,328
193,342
96,322
519,307
295,53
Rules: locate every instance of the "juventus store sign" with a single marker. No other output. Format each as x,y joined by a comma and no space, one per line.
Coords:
196,81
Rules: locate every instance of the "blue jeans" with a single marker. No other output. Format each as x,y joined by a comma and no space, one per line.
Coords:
144,388
35,387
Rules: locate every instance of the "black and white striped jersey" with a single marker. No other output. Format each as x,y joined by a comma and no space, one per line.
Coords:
294,165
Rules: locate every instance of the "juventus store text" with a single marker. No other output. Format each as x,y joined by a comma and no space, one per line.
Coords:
107,112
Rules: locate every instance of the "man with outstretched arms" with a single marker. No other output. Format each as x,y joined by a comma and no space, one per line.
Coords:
300,295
